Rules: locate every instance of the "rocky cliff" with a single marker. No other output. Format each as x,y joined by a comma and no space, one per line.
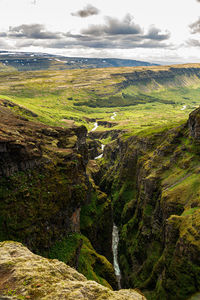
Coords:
43,179
43,186
24,275
168,77
148,184
154,184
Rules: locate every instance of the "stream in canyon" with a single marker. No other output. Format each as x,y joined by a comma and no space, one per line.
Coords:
115,242
101,155
95,127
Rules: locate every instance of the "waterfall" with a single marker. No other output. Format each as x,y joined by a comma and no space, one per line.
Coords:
115,241
101,155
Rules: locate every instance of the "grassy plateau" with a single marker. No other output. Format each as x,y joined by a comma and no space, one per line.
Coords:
144,98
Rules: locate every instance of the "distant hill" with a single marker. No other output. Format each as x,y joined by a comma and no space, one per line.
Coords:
30,61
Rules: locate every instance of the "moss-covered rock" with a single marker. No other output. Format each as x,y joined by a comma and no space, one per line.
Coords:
43,181
76,250
24,275
154,184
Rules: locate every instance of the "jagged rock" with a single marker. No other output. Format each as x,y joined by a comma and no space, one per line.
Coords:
114,133
194,124
25,275
94,148
108,124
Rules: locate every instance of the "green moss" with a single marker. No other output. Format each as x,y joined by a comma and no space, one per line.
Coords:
190,211
90,263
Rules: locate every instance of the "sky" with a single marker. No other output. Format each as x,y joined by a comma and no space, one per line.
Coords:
157,31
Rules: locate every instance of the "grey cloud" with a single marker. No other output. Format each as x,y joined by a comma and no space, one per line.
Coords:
100,43
114,26
193,43
195,27
33,31
155,34
114,34
87,11
3,34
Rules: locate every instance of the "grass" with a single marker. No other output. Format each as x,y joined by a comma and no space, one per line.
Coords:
69,96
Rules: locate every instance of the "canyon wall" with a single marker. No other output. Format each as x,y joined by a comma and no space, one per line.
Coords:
154,185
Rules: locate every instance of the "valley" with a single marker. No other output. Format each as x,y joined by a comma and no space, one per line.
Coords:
95,155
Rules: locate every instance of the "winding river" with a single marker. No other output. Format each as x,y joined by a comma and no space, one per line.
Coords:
184,107
114,116
95,127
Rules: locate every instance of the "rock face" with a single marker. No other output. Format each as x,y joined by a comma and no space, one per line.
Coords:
43,180
44,187
154,185
24,275
172,77
194,124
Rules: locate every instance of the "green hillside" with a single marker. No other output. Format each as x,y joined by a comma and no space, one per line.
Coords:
142,97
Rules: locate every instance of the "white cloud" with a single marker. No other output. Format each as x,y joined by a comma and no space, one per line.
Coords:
153,20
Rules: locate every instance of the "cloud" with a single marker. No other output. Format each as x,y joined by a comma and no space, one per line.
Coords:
114,26
111,42
195,27
113,34
3,44
155,34
193,43
87,11
32,31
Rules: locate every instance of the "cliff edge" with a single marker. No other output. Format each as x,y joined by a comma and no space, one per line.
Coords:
24,275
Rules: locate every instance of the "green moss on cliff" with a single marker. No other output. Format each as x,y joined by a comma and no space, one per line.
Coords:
77,251
159,227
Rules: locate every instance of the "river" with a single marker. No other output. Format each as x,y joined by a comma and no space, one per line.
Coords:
95,127
115,242
101,155
114,116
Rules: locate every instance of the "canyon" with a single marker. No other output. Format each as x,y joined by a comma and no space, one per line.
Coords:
64,189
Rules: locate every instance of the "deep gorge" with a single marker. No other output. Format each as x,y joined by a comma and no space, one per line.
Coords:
61,202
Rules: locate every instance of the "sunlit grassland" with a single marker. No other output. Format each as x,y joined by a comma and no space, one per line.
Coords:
59,96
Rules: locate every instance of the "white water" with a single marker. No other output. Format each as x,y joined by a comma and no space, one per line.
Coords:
115,242
95,127
184,107
101,155
114,116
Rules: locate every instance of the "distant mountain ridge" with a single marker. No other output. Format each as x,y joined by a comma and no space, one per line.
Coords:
30,61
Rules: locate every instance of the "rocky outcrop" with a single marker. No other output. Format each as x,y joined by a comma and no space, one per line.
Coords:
107,124
113,133
24,275
44,187
194,124
169,76
94,148
43,180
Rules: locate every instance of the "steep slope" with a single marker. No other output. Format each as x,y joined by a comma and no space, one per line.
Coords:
24,275
43,186
154,183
